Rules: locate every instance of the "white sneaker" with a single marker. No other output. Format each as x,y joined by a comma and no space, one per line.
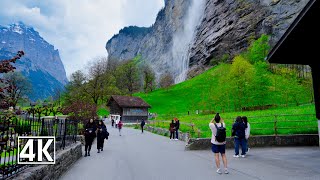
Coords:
226,171
243,156
236,156
219,171
176,139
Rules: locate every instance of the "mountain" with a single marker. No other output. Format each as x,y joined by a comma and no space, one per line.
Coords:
41,64
188,34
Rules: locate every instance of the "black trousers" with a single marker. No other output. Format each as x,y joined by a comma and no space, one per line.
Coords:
88,143
100,142
172,134
142,128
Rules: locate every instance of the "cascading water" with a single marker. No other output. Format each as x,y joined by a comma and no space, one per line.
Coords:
182,40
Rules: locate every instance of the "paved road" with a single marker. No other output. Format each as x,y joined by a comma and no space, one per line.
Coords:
136,156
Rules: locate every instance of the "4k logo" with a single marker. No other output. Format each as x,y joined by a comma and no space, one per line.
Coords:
35,149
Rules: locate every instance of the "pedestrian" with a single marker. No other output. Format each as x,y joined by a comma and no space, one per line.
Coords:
172,130
89,136
247,132
112,121
176,128
101,132
120,124
117,121
239,138
142,125
218,145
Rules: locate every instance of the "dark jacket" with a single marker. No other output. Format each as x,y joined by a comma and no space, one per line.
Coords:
143,123
101,133
239,129
90,129
172,127
177,125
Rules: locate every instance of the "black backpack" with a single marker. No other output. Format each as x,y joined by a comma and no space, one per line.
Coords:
221,133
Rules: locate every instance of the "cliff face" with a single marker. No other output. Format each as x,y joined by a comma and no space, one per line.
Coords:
41,64
153,43
228,25
223,27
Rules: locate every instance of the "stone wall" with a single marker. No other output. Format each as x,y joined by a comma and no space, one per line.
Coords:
260,141
64,159
165,132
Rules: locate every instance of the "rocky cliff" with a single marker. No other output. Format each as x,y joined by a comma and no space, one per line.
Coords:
223,27
41,63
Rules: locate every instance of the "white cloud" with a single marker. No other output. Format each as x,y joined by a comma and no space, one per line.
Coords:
79,28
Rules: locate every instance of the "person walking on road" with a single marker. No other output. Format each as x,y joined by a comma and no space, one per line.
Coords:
239,138
171,129
247,132
89,136
176,128
142,125
101,133
218,144
112,121
120,124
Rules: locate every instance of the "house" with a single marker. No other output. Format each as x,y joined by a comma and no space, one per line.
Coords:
129,108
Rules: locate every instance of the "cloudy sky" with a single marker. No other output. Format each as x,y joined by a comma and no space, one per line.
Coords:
79,28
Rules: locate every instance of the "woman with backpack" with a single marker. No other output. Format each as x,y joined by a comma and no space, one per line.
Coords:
101,133
89,135
218,141
239,137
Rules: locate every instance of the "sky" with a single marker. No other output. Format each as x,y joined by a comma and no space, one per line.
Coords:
79,29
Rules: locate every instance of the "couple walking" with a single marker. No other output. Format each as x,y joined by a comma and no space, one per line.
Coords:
93,130
174,129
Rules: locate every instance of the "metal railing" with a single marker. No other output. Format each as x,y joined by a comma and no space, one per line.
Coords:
64,130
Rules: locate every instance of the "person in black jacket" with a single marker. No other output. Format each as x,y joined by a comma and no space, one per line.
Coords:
171,129
176,128
142,125
101,135
89,136
239,137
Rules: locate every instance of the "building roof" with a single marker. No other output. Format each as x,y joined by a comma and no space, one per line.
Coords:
128,101
299,44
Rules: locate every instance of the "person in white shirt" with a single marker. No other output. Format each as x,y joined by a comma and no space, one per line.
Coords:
218,147
247,131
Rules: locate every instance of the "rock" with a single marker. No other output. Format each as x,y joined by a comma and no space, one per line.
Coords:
225,28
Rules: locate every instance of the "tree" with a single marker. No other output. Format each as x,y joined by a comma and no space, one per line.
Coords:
166,80
17,87
258,50
80,110
240,75
127,77
5,67
148,78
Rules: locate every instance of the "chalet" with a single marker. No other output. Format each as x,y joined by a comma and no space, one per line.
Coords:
129,108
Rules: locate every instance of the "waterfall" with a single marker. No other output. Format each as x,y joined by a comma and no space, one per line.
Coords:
183,38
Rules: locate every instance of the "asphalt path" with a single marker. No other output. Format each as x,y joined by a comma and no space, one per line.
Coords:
147,156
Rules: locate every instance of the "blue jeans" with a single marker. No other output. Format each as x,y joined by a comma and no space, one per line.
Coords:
177,134
240,142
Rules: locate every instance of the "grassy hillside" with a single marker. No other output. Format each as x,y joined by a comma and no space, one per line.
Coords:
210,92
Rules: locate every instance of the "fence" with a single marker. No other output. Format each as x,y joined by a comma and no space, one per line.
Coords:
64,130
259,125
